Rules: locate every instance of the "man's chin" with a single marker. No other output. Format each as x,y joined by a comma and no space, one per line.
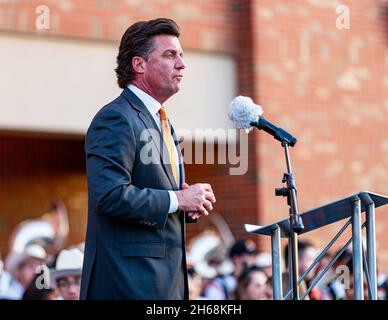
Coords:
177,87
172,90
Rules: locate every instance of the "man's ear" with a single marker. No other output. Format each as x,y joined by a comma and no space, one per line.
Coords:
138,64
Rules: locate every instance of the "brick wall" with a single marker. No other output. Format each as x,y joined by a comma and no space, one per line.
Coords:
329,88
207,25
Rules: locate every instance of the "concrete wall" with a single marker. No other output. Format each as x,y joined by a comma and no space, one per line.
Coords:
52,85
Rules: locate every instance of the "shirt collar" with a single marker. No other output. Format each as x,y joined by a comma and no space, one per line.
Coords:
152,105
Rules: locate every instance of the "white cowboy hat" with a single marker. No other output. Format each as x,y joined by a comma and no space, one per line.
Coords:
69,263
263,260
15,258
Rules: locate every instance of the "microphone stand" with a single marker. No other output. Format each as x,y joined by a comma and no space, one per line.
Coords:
296,224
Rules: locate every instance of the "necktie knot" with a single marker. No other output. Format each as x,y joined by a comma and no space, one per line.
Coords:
163,114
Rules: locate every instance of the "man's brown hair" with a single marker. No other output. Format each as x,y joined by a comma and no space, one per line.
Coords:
137,41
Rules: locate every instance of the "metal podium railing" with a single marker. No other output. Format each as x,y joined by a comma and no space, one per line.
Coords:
350,207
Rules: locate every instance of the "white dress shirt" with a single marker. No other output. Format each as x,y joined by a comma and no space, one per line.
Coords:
153,107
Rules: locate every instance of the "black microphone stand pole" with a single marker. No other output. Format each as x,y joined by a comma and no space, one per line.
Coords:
296,224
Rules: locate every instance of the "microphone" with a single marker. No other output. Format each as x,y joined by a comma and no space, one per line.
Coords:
244,113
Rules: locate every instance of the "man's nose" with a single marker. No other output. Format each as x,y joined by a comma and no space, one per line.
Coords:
73,288
180,64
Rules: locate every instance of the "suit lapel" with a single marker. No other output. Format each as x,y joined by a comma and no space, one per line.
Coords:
146,117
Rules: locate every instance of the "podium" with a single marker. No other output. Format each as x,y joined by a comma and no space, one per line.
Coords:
350,207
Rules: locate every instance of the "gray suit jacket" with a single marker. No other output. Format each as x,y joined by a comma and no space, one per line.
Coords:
134,249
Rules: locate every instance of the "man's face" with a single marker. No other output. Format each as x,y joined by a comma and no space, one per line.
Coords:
257,287
195,286
163,70
244,260
306,259
27,270
69,287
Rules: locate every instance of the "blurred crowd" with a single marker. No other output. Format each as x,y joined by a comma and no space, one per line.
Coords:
250,275
39,266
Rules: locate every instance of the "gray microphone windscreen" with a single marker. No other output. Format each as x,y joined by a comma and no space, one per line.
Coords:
243,111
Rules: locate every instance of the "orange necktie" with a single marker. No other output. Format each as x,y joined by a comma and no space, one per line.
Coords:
167,137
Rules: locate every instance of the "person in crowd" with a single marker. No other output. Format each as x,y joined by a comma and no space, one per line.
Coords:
307,253
334,283
252,284
42,292
195,284
264,261
269,289
349,284
66,276
243,255
20,269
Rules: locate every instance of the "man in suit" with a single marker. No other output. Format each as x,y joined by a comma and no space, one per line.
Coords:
138,200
